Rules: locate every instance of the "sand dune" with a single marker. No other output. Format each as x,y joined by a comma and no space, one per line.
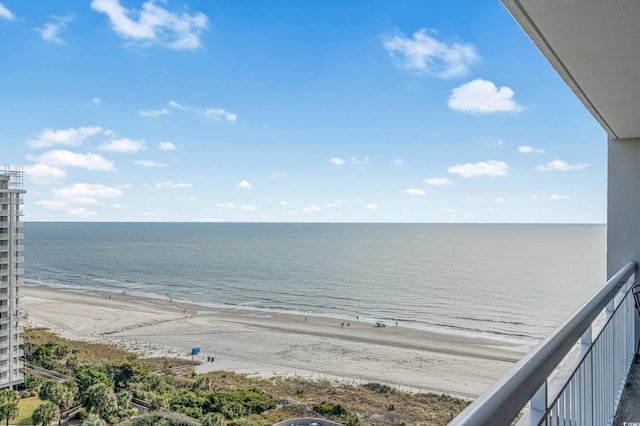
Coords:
267,343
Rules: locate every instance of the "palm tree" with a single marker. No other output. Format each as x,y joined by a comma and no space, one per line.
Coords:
9,408
93,420
101,399
49,388
45,413
62,395
8,395
10,411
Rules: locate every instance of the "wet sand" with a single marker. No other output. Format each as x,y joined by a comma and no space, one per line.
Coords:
268,343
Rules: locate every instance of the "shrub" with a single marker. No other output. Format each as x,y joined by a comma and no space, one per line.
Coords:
32,382
380,388
350,419
213,419
330,409
195,412
79,415
50,355
160,419
244,423
238,403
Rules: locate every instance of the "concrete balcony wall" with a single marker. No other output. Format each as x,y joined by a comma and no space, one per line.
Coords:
623,204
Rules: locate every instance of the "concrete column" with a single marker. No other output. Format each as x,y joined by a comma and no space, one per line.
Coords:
623,203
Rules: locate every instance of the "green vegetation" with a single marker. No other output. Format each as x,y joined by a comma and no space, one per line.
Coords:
27,406
107,385
9,408
45,413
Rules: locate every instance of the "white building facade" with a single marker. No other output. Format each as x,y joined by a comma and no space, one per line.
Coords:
11,277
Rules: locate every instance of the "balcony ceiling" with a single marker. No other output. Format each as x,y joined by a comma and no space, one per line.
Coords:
595,46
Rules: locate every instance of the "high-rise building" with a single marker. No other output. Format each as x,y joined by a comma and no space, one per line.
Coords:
11,272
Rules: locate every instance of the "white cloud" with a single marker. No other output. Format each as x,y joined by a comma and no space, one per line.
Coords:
70,137
220,114
334,204
167,146
489,168
175,104
310,209
398,162
51,30
172,185
95,101
153,112
247,207
215,114
415,192
499,200
63,158
372,206
148,163
284,203
425,54
5,13
52,205
83,192
278,174
244,184
154,24
123,145
228,205
557,197
362,162
305,210
525,149
482,97
69,205
337,161
43,173
438,181
562,166
81,211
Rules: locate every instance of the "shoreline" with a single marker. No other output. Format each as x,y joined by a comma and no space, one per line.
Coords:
164,300
267,343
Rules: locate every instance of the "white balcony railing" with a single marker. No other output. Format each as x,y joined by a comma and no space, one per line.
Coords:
576,375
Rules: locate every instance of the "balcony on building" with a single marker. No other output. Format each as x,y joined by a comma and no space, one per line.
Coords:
580,374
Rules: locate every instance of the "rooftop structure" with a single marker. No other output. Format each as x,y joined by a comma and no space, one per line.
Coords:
11,272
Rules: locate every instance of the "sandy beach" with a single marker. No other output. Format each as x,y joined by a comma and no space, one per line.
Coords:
267,343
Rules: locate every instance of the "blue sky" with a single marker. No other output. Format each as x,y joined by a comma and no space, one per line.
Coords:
289,111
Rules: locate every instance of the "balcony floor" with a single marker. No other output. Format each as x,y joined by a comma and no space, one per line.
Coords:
629,408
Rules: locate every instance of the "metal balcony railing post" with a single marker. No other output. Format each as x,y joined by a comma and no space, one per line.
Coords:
568,378
538,403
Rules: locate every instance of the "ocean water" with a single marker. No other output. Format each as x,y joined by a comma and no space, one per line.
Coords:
512,281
